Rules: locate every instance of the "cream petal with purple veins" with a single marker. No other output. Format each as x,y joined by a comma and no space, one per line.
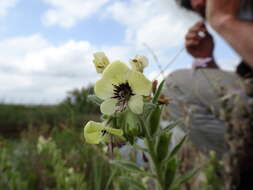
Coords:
117,87
108,107
136,104
117,73
103,89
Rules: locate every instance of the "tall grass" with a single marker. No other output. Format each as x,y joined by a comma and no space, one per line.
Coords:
60,161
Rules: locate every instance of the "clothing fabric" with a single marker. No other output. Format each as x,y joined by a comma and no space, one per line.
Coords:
196,102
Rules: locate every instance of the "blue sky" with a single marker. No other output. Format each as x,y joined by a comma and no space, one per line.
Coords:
46,46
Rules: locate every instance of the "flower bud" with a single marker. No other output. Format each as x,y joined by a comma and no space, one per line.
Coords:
100,61
154,86
139,62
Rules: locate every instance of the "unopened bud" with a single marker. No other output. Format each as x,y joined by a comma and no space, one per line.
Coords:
139,62
163,100
100,61
154,86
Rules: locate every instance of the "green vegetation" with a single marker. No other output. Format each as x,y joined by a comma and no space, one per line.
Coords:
75,110
59,161
42,148
48,151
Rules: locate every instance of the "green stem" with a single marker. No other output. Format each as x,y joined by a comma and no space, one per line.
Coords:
155,166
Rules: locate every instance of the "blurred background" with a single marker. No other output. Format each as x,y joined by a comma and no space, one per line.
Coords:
46,46
46,74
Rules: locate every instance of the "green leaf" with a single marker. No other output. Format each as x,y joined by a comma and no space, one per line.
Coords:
128,122
147,109
110,179
158,92
127,165
172,125
177,147
170,173
162,146
134,124
176,188
154,120
137,184
138,147
183,179
95,99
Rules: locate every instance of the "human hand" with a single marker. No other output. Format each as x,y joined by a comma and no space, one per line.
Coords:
219,12
199,46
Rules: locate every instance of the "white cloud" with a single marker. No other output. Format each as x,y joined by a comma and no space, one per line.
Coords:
66,13
158,75
160,24
5,5
36,68
32,70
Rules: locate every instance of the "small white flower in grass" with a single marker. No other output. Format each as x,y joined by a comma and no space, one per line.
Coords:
121,87
139,62
95,132
100,61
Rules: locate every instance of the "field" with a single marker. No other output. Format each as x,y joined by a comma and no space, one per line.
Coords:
65,161
42,148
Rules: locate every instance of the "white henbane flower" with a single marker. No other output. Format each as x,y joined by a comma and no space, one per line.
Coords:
121,87
100,61
139,62
95,132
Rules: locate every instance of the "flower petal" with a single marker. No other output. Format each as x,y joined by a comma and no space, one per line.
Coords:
136,104
95,132
108,107
103,89
139,83
92,132
117,132
117,72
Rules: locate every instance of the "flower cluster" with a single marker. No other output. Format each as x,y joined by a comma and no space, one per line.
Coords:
120,88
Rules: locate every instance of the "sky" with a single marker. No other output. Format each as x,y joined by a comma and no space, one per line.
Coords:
47,46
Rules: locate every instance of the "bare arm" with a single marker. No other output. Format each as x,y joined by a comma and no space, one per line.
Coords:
222,15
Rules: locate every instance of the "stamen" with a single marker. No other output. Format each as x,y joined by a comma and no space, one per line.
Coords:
122,93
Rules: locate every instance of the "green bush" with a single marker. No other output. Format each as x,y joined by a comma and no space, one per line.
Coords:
75,110
60,161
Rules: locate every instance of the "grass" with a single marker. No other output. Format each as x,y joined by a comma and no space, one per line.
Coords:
61,160
64,161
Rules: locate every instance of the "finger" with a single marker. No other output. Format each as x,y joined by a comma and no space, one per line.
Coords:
202,34
197,29
191,43
200,24
193,36
198,35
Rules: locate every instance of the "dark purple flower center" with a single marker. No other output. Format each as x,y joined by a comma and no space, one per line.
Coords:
122,93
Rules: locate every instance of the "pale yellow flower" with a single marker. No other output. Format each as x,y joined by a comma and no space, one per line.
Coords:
139,62
100,61
95,132
121,87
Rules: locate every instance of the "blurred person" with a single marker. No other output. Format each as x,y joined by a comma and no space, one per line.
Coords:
196,92
233,24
